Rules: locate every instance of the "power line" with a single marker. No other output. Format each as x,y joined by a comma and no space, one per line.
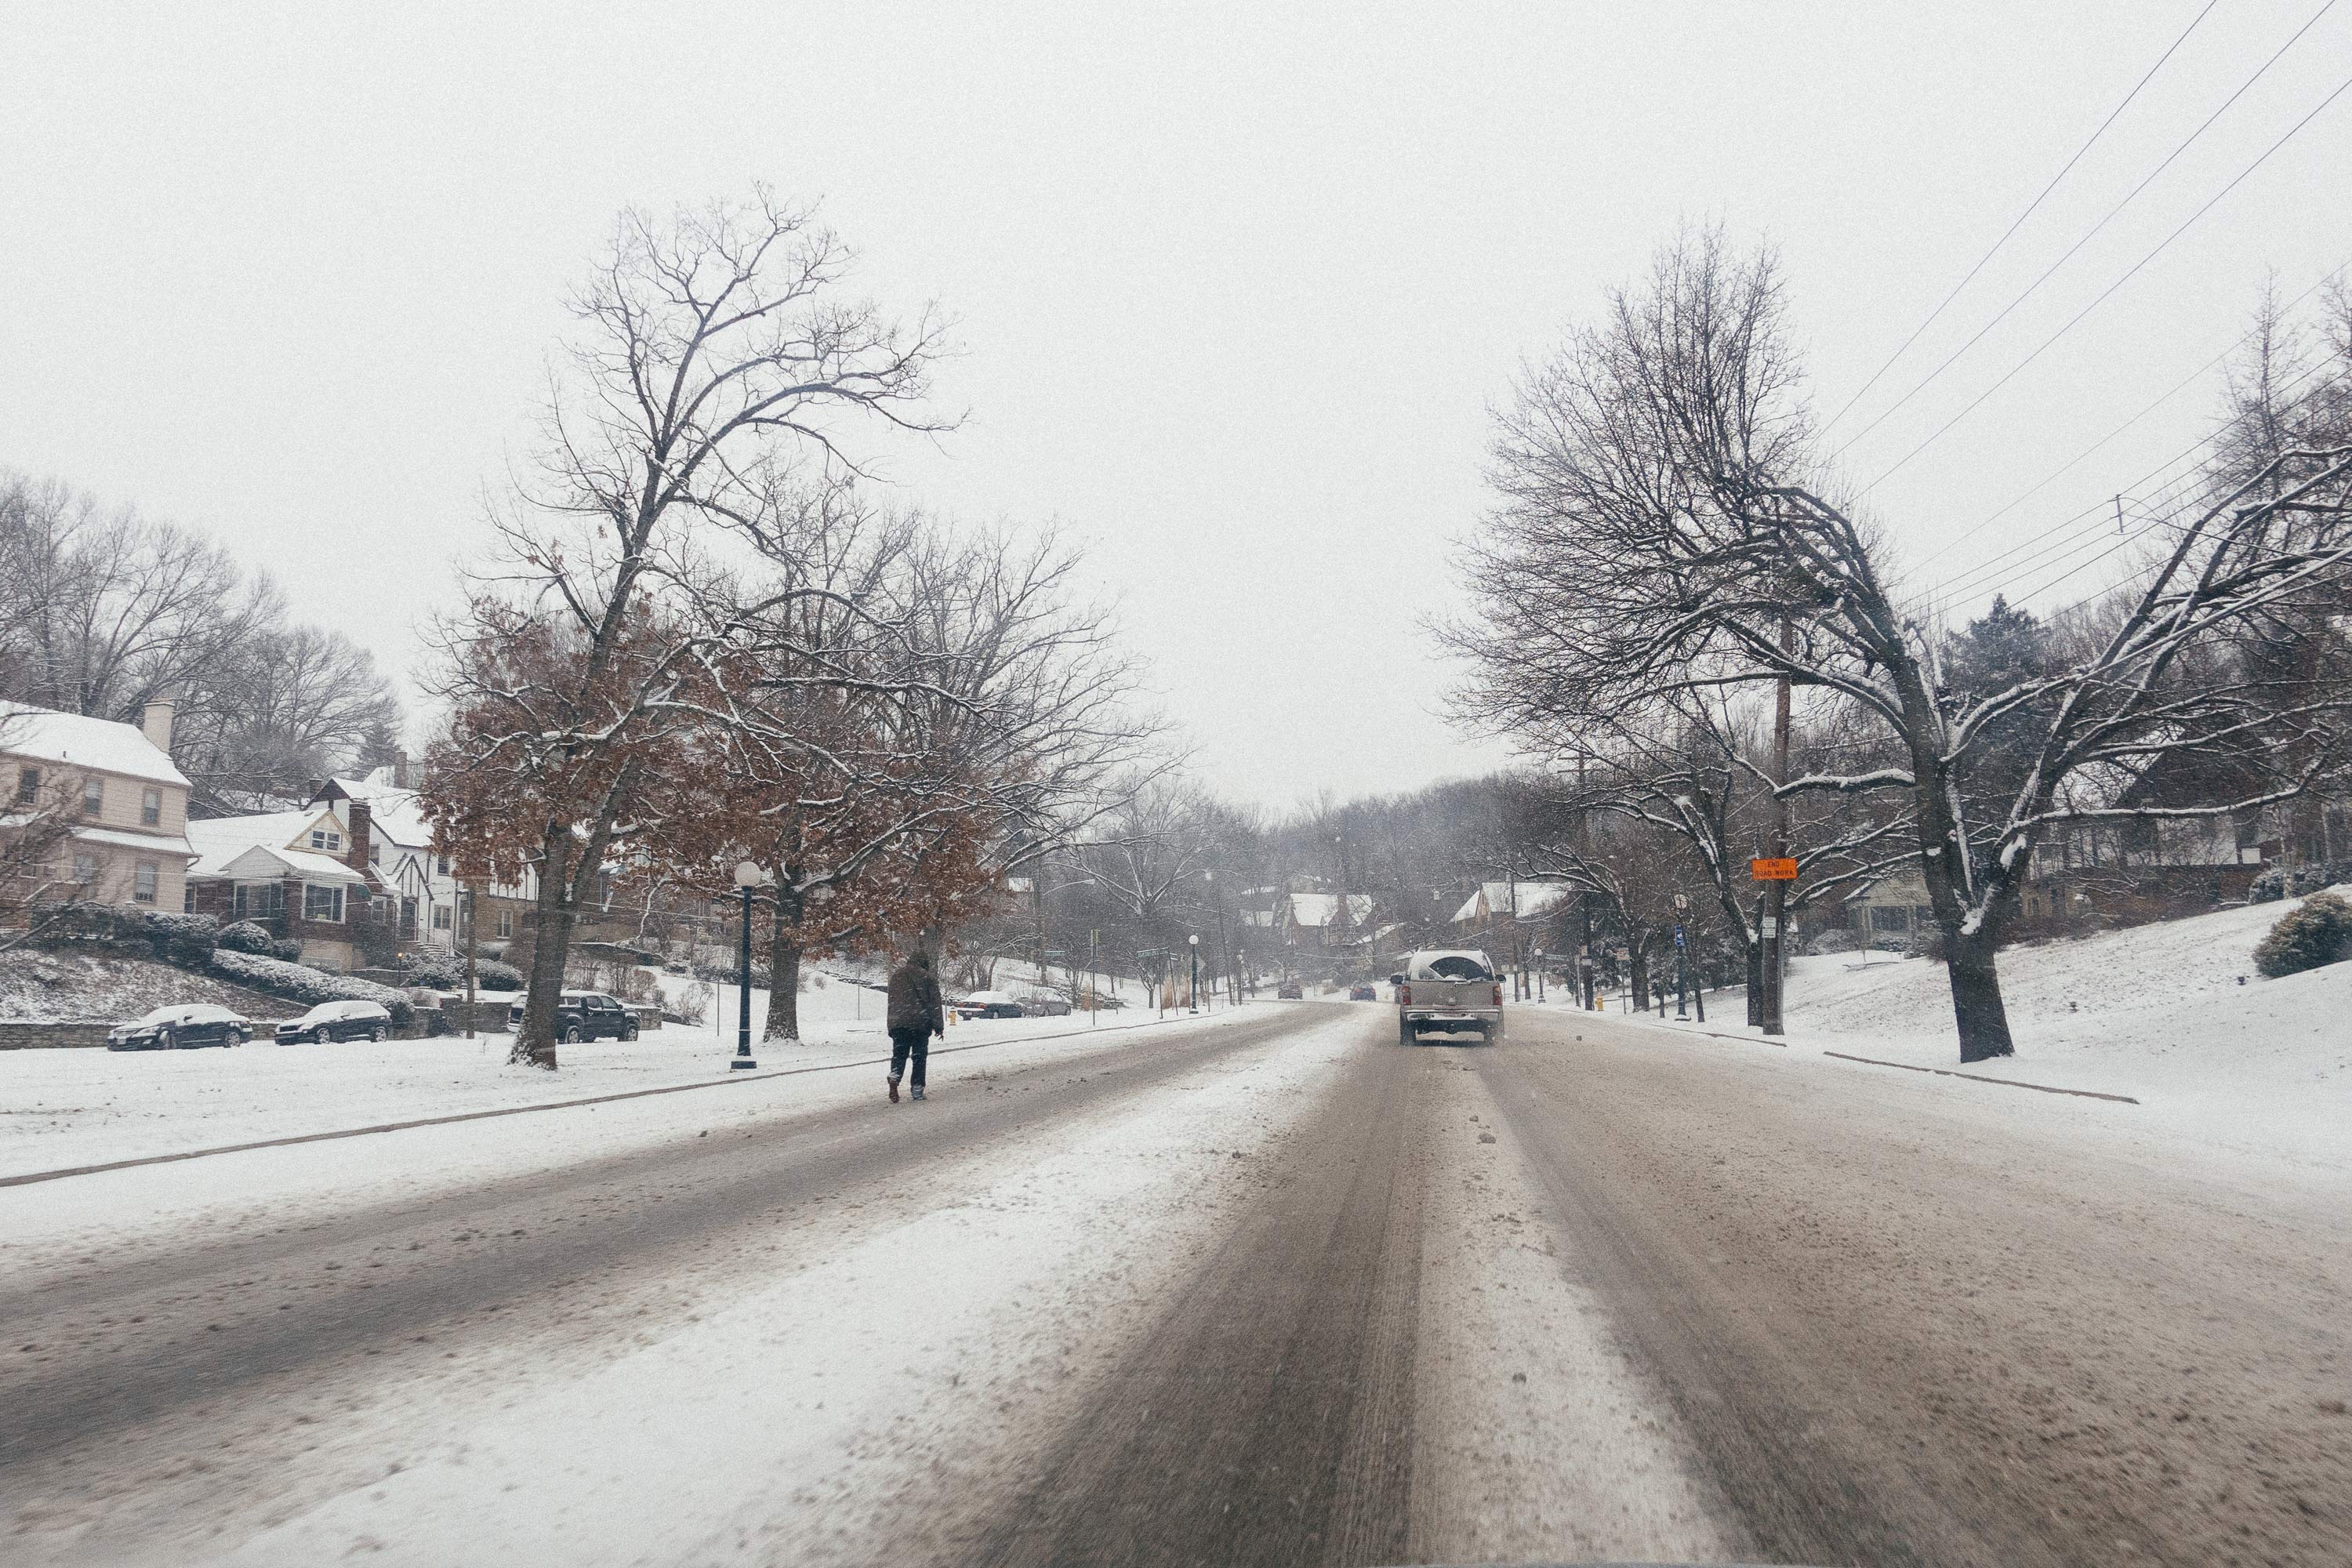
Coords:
2109,291
2031,208
2065,536
2178,387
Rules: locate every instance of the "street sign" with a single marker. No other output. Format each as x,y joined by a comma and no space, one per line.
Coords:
1772,870
1678,936
1767,926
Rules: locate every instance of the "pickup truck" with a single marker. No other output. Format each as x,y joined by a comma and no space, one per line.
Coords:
1448,990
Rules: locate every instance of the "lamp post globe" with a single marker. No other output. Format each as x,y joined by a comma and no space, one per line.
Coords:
1193,995
747,876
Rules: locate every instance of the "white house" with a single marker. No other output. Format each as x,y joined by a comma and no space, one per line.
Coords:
416,871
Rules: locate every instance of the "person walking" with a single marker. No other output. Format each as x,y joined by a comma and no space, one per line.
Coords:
915,1016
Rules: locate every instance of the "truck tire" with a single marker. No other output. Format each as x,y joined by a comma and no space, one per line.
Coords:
1406,1034
1494,1033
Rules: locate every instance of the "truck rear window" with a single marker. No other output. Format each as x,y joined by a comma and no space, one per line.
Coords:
1454,966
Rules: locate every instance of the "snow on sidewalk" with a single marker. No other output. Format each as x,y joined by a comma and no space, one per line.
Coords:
88,1107
2156,1012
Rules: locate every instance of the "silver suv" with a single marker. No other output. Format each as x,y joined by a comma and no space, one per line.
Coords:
1448,990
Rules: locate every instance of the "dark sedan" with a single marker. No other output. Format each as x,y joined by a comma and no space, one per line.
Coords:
182,1028
338,1021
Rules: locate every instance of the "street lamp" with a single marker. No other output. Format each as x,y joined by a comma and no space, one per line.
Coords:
1682,988
747,877
1193,941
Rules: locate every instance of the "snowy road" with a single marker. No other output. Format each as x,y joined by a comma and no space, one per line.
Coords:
1269,1289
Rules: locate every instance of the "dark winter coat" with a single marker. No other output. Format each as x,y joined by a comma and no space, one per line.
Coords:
914,998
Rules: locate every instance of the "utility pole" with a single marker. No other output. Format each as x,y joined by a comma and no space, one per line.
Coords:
1585,975
1776,892
473,891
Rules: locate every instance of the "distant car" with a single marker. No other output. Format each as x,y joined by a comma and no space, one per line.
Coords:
338,1021
1362,993
182,1028
988,1004
1046,1007
584,1016
1288,990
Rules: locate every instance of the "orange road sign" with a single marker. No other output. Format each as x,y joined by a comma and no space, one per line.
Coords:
1781,870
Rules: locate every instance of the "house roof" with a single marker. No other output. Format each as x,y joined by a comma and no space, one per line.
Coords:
1315,910
263,846
396,813
78,741
1536,897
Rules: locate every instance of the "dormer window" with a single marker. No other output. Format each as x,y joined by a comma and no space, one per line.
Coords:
320,838
93,796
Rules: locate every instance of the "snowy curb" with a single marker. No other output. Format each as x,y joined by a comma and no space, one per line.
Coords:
29,1177
1668,1028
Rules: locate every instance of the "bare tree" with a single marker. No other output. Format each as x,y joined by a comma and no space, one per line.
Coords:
1660,534
711,351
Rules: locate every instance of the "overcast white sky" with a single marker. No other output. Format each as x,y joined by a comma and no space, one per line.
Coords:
1235,285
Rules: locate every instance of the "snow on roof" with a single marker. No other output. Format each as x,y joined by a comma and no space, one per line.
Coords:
1536,897
220,842
78,741
167,843
1315,910
395,812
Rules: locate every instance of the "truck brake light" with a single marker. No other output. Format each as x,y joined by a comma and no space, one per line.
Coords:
1405,995
1498,993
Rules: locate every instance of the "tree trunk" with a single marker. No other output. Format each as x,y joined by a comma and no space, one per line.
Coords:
1975,998
534,1043
784,974
1756,985
1640,980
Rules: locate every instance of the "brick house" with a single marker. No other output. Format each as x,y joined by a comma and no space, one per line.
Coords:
427,902
302,874
112,787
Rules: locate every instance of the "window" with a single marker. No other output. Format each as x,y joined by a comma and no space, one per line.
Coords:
151,807
408,916
257,901
85,867
143,883
505,923
93,796
28,786
188,898
321,839
375,853
440,917
443,861
1890,917
322,903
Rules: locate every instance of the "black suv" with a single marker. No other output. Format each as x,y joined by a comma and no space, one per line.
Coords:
584,1016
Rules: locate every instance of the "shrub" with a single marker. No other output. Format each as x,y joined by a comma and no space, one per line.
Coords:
2318,931
298,982
446,971
247,936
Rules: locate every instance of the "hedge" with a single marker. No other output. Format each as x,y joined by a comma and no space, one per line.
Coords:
446,971
298,982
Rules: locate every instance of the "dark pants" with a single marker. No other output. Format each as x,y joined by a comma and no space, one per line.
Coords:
904,1042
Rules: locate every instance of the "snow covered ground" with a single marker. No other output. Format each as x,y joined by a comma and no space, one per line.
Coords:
72,1108
2157,1012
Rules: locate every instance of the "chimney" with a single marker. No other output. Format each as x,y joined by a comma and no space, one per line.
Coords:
362,820
399,769
155,723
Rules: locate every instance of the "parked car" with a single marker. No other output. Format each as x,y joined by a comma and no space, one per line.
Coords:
338,1021
988,1005
1360,992
1046,1007
584,1016
182,1028
1288,990
1448,990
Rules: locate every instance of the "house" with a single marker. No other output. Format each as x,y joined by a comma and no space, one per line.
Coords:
303,874
425,902
111,791
1528,899
1885,910
1321,919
